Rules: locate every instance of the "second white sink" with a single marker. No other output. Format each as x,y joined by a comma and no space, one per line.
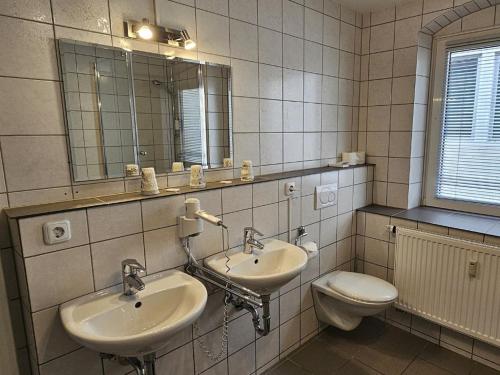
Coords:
266,270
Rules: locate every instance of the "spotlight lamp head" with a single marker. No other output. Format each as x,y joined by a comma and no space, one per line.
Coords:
144,30
188,42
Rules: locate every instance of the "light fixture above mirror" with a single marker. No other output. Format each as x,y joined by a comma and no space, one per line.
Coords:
148,31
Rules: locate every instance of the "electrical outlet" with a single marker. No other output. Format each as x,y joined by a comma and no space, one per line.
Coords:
56,232
290,188
325,196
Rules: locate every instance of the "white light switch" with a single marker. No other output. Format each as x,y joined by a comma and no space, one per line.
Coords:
56,232
325,196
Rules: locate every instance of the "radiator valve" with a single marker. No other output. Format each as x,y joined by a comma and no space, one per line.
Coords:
390,228
473,265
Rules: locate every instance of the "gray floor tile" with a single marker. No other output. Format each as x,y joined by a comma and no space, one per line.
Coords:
421,367
446,359
480,369
375,348
392,352
352,342
355,367
287,368
319,358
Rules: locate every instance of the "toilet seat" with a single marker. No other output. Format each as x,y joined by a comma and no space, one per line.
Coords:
361,287
357,288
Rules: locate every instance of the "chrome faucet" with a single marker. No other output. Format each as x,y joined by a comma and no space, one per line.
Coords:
249,241
132,283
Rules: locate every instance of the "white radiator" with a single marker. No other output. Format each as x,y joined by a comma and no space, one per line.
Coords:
453,282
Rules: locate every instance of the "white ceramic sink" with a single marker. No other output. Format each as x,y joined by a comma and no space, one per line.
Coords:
266,270
132,326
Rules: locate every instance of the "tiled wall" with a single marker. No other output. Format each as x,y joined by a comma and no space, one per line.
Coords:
295,70
295,80
395,67
146,230
375,256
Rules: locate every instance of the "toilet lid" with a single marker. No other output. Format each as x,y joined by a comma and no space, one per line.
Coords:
362,287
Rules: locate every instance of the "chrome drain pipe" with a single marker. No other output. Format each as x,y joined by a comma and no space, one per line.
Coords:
137,365
266,313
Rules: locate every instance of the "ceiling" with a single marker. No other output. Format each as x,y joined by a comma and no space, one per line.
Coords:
371,5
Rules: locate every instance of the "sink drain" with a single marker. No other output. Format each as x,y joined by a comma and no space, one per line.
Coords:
138,304
256,261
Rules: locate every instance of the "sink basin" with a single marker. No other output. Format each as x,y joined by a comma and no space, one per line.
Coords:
266,270
132,326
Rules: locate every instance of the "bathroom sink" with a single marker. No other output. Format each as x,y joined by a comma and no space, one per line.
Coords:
264,271
132,326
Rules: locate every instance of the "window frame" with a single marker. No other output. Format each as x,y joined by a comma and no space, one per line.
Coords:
434,120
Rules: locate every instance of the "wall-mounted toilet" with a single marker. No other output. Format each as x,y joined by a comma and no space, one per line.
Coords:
342,299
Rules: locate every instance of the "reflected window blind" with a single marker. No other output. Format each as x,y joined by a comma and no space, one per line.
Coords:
191,134
469,155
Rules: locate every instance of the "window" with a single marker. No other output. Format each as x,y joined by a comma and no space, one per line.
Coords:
465,149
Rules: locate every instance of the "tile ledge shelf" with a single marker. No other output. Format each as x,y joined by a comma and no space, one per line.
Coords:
470,222
75,204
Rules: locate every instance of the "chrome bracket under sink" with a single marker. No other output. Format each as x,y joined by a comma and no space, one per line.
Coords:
239,296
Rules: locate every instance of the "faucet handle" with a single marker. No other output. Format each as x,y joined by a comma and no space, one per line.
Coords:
133,265
252,231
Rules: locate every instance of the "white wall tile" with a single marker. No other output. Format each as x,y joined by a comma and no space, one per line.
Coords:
271,113
243,40
80,362
51,338
178,16
72,279
265,193
272,148
213,33
108,255
313,57
126,220
270,14
270,47
293,18
331,32
244,10
124,10
31,49
293,52
33,162
270,82
293,147
163,249
236,198
158,213
31,232
245,115
313,26
87,14
26,101
216,6
293,85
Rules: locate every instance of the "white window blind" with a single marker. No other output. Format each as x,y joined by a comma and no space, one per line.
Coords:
191,133
469,155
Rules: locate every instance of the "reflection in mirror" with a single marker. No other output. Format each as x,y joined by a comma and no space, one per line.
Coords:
138,108
98,110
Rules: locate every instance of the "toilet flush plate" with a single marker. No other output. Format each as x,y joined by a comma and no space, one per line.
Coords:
325,196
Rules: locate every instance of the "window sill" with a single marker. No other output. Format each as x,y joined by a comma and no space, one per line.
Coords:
477,223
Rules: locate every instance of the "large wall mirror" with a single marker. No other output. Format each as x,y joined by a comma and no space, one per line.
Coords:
139,108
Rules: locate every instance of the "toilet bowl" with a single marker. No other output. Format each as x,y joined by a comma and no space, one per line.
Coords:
342,299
